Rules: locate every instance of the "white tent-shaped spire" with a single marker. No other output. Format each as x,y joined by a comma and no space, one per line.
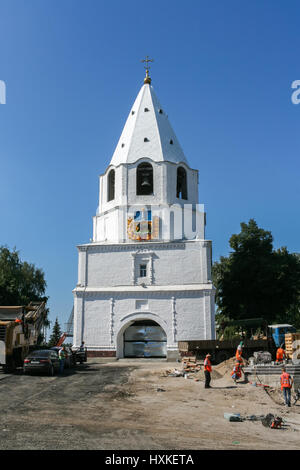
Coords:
147,133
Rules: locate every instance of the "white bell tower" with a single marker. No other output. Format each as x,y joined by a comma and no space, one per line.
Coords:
144,282
148,168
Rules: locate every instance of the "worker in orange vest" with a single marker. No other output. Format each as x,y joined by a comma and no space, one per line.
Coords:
240,361
237,369
286,382
239,351
207,370
280,355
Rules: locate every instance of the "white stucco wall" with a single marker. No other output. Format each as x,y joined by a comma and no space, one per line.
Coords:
177,263
105,316
178,292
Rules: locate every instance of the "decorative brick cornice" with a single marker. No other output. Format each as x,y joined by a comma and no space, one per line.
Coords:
142,292
133,247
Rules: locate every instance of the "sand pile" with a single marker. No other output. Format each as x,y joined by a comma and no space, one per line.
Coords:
225,367
200,375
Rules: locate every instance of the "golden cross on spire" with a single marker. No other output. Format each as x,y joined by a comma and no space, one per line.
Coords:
147,60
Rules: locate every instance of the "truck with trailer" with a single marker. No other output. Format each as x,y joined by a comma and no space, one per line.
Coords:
20,330
271,337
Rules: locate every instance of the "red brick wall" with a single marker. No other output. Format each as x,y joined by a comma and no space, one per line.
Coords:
101,353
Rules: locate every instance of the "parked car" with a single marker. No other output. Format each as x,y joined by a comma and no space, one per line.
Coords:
70,357
80,355
43,360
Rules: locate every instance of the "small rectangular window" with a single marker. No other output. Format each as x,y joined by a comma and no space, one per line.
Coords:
141,305
143,270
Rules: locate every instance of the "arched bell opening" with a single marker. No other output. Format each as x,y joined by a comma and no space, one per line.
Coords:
144,179
181,189
111,186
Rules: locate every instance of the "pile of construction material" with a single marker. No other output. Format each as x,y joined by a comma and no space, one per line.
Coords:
193,369
190,365
262,357
292,345
172,373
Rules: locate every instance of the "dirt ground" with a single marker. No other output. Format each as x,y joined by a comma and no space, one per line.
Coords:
134,405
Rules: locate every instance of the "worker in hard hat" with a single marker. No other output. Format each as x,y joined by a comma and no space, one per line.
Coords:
286,383
280,355
207,371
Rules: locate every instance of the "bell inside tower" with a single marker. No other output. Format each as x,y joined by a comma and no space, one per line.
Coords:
144,180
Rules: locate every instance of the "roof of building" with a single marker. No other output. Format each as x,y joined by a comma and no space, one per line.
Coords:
147,133
281,325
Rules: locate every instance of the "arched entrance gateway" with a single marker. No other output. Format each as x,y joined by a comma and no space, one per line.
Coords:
144,338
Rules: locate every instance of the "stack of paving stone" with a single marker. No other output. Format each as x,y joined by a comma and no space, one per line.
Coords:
292,345
270,373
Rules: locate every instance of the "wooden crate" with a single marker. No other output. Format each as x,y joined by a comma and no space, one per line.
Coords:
183,346
189,359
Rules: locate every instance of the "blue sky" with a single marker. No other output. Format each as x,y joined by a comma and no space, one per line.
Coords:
223,71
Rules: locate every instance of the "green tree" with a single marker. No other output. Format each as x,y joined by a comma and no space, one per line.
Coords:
56,334
20,281
255,280
293,313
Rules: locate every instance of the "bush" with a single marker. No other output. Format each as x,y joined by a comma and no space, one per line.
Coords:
231,332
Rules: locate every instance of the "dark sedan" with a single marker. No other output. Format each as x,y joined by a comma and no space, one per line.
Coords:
43,360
